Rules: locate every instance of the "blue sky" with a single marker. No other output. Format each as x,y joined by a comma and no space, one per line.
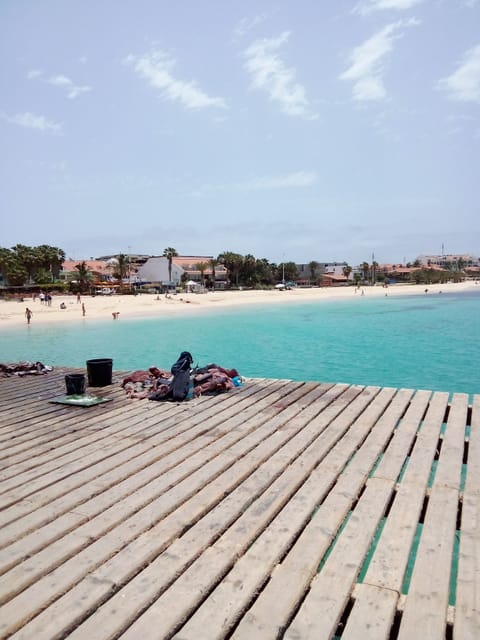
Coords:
307,130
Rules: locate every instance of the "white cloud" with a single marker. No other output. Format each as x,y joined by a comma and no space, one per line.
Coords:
247,24
299,179
464,84
156,68
34,73
370,6
60,80
73,90
295,180
269,73
367,62
32,121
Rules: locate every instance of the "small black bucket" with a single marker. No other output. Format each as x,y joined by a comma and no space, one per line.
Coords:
99,372
75,384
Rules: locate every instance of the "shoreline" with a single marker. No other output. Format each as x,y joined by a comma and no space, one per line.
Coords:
12,312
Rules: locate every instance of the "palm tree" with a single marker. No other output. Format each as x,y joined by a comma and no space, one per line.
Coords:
213,262
233,263
313,266
365,267
50,259
170,253
202,266
347,270
120,268
84,275
27,259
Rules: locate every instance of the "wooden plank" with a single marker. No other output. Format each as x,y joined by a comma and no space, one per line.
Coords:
290,580
373,614
467,609
156,539
37,596
427,600
224,498
391,465
450,463
388,564
59,493
234,592
330,590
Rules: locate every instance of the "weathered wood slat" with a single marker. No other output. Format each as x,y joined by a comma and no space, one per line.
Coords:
141,453
253,514
128,527
245,579
427,599
467,609
290,580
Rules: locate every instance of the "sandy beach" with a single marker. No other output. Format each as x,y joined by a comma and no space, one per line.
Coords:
12,312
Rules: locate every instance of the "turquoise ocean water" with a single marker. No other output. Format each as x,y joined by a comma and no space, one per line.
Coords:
423,342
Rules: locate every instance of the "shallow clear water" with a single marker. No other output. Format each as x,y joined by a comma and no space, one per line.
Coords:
428,341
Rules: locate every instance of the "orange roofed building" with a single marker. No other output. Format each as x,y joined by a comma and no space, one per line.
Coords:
100,269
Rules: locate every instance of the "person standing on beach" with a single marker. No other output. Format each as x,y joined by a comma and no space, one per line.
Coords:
28,315
83,309
79,299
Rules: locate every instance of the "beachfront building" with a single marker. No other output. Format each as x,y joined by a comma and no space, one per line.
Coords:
324,273
199,269
154,273
450,261
100,269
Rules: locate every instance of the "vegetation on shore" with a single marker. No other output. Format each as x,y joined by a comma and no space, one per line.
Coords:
24,266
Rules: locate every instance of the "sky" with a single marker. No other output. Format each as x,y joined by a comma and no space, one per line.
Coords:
298,130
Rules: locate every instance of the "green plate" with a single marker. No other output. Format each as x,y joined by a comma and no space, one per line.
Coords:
80,401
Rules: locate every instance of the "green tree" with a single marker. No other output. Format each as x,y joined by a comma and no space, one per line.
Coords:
84,276
120,269
50,259
202,267
313,266
42,276
287,271
365,267
347,270
170,253
248,273
27,258
265,272
212,263
233,264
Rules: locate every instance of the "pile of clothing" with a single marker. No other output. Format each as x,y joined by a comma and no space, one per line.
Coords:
24,369
182,381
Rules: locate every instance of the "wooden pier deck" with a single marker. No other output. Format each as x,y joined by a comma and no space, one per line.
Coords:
278,510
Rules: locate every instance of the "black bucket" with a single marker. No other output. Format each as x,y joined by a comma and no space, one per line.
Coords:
75,384
99,372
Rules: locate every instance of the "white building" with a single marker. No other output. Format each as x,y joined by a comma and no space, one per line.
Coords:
155,271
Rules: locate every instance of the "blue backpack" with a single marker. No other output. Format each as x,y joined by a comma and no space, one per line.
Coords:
180,385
